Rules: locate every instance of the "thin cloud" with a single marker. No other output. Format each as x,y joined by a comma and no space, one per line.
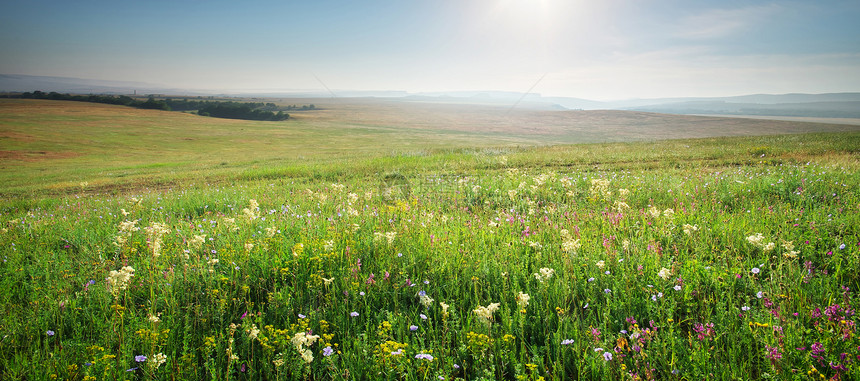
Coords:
722,23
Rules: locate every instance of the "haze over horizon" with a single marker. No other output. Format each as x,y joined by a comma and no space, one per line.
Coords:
605,50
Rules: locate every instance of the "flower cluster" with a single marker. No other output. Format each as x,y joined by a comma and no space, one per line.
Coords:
118,280
486,313
302,340
544,274
757,240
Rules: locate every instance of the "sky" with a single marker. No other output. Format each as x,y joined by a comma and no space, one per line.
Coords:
592,49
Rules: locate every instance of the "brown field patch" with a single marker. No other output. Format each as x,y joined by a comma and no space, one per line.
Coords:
31,156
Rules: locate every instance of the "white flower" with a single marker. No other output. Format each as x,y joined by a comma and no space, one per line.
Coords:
664,273
689,229
486,312
197,241
158,360
544,274
253,332
522,300
444,309
118,280
600,264
570,246
425,300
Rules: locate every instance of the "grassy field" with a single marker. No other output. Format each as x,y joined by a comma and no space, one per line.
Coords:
149,245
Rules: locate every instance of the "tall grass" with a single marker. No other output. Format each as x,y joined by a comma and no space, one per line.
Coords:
639,261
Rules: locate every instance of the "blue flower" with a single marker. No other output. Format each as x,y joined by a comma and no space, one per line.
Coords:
140,358
327,351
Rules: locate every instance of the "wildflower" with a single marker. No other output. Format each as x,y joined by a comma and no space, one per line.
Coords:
607,356
608,291
158,360
327,351
423,317
570,245
567,342
654,212
590,280
689,229
755,270
600,264
425,300
664,273
544,274
353,314
197,241
140,358
759,294
677,287
444,309
153,318
522,300
307,356
745,308
842,247
49,333
249,246
118,280
413,327
486,312
424,356
253,332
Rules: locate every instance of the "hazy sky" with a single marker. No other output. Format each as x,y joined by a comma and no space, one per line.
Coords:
595,49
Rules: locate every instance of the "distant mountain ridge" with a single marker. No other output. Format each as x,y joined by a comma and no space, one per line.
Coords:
833,105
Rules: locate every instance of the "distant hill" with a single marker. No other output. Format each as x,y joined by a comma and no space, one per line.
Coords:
830,105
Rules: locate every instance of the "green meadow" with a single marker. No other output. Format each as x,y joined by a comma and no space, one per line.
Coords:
390,240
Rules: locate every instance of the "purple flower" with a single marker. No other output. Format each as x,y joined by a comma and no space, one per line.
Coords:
327,351
424,356
353,314
423,317
607,291
49,333
413,327
140,358
131,370
677,287
567,342
607,356
755,270
456,366
302,316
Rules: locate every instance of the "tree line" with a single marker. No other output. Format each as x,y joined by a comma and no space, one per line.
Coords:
217,109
